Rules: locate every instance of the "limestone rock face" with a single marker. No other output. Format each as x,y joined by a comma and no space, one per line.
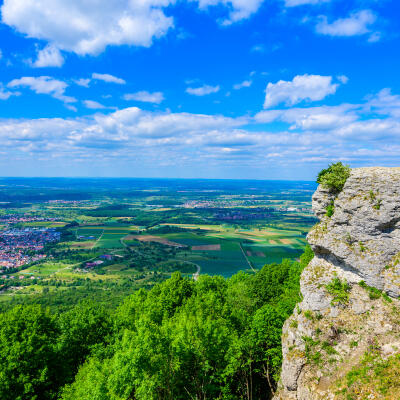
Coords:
363,234
328,335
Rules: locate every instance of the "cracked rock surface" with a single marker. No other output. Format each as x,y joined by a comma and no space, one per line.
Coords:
359,242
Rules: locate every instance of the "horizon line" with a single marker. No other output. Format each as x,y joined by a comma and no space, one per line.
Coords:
160,178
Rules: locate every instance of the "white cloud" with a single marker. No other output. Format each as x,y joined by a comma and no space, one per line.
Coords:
6,94
88,27
203,90
50,56
294,3
246,83
375,37
82,82
312,118
358,23
302,87
143,139
108,78
258,48
342,79
384,103
146,97
239,9
94,105
44,85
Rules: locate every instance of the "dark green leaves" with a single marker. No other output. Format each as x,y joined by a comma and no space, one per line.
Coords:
334,177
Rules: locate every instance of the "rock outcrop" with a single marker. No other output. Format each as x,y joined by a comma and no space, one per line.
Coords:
349,318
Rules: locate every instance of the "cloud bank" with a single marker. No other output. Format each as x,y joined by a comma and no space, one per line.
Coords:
306,135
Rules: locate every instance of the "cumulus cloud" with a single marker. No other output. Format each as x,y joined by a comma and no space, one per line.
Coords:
294,3
50,56
244,84
82,82
342,79
358,23
203,90
89,27
44,85
312,118
145,97
239,9
302,87
385,103
123,129
108,78
6,94
94,105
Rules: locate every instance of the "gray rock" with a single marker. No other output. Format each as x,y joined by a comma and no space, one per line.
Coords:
363,234
360,241
320,200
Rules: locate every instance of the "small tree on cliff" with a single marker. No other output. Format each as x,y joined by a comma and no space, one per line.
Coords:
334,177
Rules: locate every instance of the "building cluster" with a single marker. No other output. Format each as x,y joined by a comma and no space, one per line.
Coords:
212,204
237,215
304,210
73,203
17,244
94,264
23,218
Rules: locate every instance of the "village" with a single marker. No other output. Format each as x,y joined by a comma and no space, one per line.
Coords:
23,218
19,247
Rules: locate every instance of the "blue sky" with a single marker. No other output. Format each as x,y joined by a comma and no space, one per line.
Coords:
258,89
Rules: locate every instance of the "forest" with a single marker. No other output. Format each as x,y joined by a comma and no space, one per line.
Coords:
213,338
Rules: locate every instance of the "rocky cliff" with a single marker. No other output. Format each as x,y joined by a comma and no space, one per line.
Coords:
343,339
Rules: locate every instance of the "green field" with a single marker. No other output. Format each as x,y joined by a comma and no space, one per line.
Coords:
43,270
225,262
260,246
89,232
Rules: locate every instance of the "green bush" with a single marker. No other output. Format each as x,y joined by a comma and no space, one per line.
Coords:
375,293
334,177
339,290
330,209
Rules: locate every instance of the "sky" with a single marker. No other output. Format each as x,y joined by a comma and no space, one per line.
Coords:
231,89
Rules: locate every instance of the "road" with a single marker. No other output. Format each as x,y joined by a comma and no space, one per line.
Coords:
244,255
197,273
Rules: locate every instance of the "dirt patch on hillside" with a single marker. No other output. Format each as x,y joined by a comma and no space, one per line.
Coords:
210,247
82,245
286,241
156,239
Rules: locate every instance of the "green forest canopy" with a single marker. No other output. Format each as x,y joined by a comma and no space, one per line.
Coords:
214,338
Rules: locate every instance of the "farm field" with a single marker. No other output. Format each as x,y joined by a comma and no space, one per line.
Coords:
218,251
134,233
